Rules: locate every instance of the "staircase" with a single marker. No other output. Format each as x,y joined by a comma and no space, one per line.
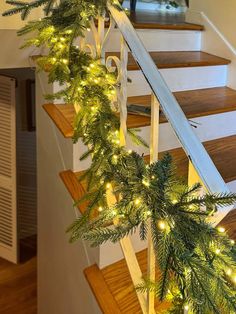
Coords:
199,83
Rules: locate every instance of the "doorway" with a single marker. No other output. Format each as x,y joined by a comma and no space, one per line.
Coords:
25,172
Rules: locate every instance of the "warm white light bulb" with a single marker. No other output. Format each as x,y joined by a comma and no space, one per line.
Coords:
217,251
186,307
146,183
65,61
162,225
137,201
221,229
229,272
108,186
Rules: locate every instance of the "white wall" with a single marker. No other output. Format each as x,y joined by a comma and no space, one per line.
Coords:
221,13
11,56
14,22
218,37
62,287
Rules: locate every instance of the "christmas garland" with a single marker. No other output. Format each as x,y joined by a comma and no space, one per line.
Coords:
197,262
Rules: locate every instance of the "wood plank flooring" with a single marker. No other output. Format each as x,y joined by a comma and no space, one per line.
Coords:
18,283
177,59
18,287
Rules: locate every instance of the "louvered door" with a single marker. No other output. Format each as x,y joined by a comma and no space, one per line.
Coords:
8,207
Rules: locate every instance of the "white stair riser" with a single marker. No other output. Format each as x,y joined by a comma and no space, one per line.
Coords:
160,40
110,253
180,79
232,186
208,128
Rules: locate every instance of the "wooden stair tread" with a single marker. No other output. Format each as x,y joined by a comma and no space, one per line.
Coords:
168,26
195,103
177,59
155,20
114,281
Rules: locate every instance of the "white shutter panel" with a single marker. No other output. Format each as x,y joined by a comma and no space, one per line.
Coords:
8,204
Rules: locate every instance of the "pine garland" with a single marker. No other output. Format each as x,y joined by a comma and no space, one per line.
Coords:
197,262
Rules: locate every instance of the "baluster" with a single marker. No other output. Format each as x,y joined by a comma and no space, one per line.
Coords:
123,91
155,114
101,35
126,244
100,41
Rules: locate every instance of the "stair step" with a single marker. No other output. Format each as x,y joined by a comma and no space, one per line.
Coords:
177,59
222,151
113,288
195,103
155,20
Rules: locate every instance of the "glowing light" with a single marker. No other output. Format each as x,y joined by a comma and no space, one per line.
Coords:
217,251
186,307
229,272
65,61
149,213
174,201
234,279
221,229
88,29
130,151
162,225
137,201
232,242
62,39
153,177
146,183
108,186
100,209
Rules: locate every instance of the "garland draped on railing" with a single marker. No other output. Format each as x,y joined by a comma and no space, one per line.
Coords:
197,261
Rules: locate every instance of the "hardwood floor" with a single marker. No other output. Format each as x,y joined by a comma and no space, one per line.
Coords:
18,285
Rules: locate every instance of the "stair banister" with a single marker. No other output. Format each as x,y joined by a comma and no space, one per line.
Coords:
198,156
201,167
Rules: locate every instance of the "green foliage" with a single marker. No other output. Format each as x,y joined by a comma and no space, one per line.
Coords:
194,258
